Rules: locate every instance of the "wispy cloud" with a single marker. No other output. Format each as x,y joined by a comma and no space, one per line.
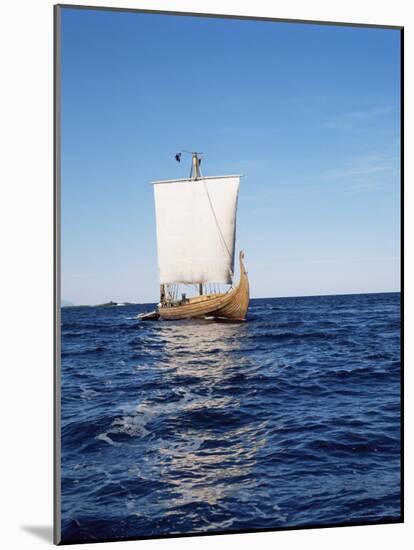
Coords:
373,171
329,261
350,119
364,172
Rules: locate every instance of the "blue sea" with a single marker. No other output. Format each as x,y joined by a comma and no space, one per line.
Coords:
290,419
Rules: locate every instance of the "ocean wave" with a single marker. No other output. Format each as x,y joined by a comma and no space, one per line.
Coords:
84,351
287,420
293,336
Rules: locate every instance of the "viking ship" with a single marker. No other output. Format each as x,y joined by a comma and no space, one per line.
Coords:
196,233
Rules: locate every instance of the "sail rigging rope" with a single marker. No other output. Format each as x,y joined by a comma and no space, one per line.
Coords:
218,227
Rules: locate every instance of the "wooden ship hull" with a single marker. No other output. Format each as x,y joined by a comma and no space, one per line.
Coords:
196,232
231,306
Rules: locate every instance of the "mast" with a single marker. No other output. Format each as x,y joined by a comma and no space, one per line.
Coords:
194,175
195,165
196,226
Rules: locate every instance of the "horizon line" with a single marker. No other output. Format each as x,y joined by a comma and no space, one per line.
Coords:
255,298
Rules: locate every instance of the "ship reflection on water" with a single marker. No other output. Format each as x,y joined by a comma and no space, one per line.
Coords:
209,444
289,419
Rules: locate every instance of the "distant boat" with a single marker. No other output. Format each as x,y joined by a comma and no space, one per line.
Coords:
196,233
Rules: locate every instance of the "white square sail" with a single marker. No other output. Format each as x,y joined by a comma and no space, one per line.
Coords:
196,229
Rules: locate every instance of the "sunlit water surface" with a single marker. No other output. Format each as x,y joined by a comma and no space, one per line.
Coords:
289,419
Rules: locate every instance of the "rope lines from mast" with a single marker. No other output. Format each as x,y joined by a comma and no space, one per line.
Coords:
199,176
223,241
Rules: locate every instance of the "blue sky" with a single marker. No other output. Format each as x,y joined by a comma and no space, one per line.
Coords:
309,114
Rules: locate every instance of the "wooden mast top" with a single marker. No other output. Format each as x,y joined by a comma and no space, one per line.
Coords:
195,166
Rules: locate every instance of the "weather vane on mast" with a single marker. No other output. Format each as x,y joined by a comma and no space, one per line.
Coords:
195,172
